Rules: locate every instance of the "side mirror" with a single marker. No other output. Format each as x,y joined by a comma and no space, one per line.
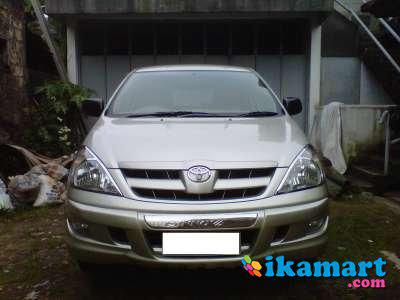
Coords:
293,105
92,107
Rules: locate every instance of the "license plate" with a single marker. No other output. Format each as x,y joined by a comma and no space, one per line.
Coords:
201,243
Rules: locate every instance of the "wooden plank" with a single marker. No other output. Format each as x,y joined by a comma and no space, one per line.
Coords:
50,43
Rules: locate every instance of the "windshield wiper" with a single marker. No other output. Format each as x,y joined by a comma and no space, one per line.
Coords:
181,114
203,115
189,114
257,114
159,114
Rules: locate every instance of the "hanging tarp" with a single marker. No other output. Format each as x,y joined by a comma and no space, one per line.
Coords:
326,136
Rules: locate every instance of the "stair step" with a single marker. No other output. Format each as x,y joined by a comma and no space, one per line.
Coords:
368,171
367,178
378,159
361,184
367,175
393,195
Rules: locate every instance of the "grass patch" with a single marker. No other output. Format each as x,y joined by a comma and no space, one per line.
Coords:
360,228
25,214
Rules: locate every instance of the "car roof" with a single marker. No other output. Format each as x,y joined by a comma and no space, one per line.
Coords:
193,68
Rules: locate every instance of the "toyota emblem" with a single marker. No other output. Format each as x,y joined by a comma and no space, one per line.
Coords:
199,174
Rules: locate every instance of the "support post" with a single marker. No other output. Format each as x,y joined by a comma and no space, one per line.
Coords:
72,56
387,145
315,72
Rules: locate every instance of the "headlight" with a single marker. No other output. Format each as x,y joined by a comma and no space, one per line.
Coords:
304,172
89,173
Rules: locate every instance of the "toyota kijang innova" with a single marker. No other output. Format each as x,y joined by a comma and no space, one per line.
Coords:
195,166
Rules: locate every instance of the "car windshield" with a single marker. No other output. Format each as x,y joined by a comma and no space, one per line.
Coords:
194,93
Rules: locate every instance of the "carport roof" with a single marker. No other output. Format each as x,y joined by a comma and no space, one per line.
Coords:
124,7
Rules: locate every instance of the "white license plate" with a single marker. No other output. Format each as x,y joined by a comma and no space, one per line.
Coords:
201,243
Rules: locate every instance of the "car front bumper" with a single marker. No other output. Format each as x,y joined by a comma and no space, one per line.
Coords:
108,229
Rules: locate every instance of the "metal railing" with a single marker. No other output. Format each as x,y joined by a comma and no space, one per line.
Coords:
388,27
385,118
371,35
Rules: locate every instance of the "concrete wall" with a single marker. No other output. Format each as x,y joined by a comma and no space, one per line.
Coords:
371,92
180,6
340,80
348,80
340,37
354,4
13,72
361,128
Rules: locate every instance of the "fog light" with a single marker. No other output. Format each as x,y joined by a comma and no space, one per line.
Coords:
79,227
315,225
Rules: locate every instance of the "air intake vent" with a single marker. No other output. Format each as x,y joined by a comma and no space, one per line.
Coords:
151,174
244,173
217,195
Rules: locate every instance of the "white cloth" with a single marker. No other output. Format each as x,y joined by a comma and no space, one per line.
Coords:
5,203
326,135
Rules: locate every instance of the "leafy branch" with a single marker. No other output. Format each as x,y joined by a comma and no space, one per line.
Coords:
56,125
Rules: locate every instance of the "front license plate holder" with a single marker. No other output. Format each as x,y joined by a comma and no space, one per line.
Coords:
201,243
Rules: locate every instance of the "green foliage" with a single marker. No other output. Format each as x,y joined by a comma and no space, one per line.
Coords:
56,125
62,94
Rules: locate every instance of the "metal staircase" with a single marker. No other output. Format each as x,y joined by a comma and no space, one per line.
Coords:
384,71
381,57
381,54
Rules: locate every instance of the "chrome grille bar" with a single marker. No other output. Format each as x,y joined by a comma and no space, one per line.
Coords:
169,184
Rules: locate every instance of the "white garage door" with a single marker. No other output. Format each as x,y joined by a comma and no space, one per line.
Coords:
276,49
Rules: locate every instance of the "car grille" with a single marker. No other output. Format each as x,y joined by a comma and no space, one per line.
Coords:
178,195
231,184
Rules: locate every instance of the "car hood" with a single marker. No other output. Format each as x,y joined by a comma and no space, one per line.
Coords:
183,142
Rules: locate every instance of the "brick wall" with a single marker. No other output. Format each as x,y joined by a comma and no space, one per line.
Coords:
13,74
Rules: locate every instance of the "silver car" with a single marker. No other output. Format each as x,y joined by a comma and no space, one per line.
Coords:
195,166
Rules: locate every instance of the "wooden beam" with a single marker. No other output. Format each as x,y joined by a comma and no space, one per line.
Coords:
50,43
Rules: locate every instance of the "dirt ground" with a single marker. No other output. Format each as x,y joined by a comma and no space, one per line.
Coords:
35,264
